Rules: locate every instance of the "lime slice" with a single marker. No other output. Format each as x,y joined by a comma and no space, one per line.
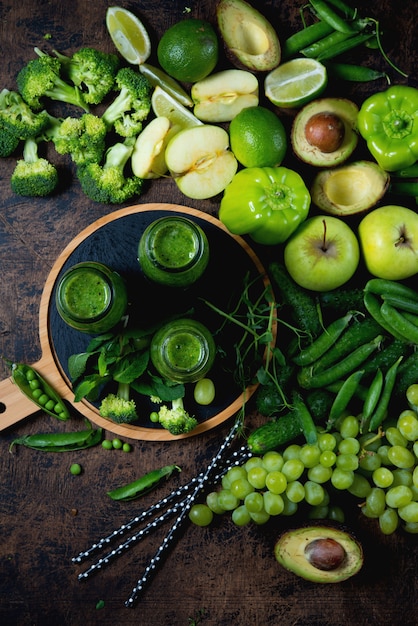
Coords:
164,105
157,76
296,82
128,34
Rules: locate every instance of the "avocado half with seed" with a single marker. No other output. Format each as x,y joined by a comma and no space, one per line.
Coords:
324,132
321,554
349,189
250,40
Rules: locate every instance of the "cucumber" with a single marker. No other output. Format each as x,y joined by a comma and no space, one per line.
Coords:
339,301
383,359
303,307
274,434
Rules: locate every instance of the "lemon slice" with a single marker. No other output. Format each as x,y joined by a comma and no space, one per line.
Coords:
157,76
128,34
165,105
296,82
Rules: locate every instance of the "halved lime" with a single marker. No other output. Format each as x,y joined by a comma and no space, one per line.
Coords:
164,105
296,82
128,34
157,76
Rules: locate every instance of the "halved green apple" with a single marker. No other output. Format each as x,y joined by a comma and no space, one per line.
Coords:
200,161
221,96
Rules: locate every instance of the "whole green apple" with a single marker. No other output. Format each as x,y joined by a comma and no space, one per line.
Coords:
389,242
322,254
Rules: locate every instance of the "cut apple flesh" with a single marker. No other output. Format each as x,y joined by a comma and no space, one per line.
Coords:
200,161
221,96
148,157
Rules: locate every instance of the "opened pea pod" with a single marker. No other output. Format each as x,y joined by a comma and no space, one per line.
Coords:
142,485
35,387
60,442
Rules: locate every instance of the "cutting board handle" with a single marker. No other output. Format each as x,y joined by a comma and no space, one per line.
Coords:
14,405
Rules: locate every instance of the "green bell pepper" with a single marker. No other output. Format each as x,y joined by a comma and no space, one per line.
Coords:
388,121
266,203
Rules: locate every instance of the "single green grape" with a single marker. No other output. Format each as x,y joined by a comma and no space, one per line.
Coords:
349,445
399,496
376,502
388,521
409,512
240,488
289,508
314,493
349,427
276,482
319,473
201,515
415,477
360,486
370,461
395,437
256,476
369,442
261,517
412,395
291,452
327,458
407,425
342,479
254,502
309,455
295,491
382,451
326,441
401,457
273,503
273,461
293,469
227,500
204,391
382,477
411,527
347,461
254,461
235,473
241,516
402,477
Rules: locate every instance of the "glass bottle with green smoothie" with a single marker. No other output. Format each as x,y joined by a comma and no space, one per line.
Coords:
183,350
173,251
91,297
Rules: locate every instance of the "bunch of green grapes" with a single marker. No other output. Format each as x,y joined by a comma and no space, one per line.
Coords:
379,469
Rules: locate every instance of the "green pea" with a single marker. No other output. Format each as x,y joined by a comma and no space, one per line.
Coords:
126,447
37,393
50,405
107,444
75,469
30,375
43,399
154,417
117,444
34,383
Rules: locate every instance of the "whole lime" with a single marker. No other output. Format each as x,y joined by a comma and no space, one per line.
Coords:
188,50
258,137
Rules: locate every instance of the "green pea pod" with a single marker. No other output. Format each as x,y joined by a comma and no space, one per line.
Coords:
142,485
326,13
303,415
399,322
60,442
321,344
373,306
35,387
381,408
371,399
343,397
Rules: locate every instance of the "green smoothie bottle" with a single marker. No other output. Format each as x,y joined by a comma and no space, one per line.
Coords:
173,251
91,297
183,350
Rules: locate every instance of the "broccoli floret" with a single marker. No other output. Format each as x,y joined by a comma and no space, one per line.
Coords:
33,175
118,407
83,138
108,182
40,78
8,141
131,106
18,117
176,419
93,71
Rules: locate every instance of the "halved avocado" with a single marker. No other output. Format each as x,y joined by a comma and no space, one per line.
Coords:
250,39
321,554
349,189
324,132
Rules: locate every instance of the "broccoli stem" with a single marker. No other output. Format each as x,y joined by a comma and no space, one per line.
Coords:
123,391
30,150
118,155
120,104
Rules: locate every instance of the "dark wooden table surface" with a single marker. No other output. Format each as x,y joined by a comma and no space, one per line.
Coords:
47,516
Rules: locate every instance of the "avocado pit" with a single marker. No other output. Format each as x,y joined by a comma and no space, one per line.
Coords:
325,131
325,553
